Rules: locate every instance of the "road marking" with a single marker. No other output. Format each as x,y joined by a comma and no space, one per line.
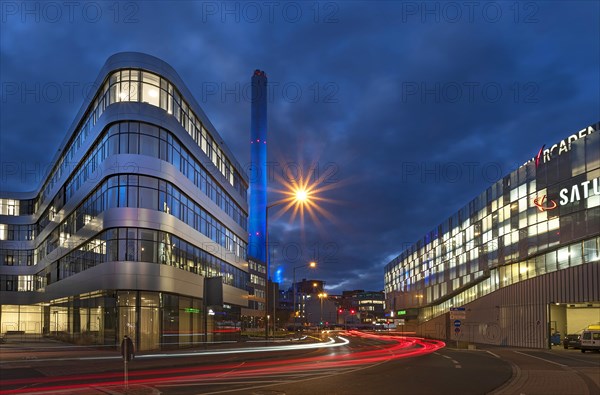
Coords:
496,355
543,359
580,360
457,366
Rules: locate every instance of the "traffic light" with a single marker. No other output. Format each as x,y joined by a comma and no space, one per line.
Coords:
352,311
340,311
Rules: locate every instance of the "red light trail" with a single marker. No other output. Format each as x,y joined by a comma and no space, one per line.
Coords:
395,347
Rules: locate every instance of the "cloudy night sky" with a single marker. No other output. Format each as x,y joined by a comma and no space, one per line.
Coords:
403,111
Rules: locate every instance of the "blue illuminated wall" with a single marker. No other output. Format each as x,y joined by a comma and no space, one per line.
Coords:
258,168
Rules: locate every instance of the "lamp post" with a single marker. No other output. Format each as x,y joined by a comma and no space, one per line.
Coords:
55,312
322,296
312,264
300,196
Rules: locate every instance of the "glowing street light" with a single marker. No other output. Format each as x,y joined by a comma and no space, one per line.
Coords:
297,198
301,195
322,296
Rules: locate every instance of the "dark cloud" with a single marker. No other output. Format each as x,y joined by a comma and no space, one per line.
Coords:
415,113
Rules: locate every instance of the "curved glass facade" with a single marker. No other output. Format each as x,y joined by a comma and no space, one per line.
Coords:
141,245
541,218
166,202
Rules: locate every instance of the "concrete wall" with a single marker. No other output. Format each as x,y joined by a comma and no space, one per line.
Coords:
518,315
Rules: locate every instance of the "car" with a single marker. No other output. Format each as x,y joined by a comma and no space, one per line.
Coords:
590,340
572,340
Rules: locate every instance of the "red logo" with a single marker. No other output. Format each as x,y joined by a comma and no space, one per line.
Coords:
544,205
539,156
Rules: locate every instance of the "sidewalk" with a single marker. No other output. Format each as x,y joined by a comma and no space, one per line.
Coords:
533,375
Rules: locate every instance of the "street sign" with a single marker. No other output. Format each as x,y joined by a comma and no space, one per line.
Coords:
458,313
457,323
457,330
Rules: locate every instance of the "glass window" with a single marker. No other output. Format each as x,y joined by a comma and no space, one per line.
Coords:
575,254
551,261
592,151
150,94
590,251
563,258
148,146
148,198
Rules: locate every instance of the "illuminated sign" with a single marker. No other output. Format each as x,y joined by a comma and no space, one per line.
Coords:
191,310
544,205
572,194
401,312
539,156
544,155
565,145
579,191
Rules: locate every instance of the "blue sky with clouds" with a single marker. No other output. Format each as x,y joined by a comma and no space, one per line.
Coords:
407,109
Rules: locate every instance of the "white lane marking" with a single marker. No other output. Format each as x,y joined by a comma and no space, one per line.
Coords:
542,359
580,360
457,366
496,355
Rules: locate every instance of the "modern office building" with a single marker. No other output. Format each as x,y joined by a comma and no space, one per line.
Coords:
518,263
144,202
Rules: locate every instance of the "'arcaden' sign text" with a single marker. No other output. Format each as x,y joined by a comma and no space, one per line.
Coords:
546,154
565,145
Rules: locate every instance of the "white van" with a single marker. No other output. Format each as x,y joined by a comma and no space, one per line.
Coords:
590,340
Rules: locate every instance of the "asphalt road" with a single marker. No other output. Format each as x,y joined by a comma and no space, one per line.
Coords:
352,364
203,371
441,372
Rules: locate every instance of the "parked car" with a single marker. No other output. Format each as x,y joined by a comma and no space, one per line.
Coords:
590,340
572,340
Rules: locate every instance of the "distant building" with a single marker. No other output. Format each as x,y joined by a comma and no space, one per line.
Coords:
368,306
302,292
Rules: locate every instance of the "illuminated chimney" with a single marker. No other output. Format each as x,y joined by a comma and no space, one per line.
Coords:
258,169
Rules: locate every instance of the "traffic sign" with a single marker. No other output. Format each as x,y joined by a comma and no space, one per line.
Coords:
457,330
458,313
457,323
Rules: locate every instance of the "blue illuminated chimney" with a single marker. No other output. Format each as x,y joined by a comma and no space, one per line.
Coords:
258,169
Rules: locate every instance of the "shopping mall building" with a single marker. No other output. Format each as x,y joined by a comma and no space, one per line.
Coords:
144,203
515,265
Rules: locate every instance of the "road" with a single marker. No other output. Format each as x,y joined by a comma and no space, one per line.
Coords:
342,363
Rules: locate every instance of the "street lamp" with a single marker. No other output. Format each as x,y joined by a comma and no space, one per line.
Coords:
312,265
322,296
300,196
55,312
